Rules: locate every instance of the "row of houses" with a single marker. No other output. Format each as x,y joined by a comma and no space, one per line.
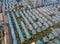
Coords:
29,17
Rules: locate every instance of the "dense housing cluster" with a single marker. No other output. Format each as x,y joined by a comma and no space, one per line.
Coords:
28,24
38,25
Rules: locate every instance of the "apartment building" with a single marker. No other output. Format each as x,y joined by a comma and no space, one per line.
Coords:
36,3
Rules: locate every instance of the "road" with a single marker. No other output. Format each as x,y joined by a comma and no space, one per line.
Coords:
7,37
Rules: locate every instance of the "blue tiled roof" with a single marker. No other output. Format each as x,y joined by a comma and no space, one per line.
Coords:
39,42
46,39
18,28
58,41
55,32
34,31
12,29
38,29
51,36
26,30
43,28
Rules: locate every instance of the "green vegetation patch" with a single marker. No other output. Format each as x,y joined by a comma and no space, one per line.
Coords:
0,42
57,25
52,14
19,20
1,26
